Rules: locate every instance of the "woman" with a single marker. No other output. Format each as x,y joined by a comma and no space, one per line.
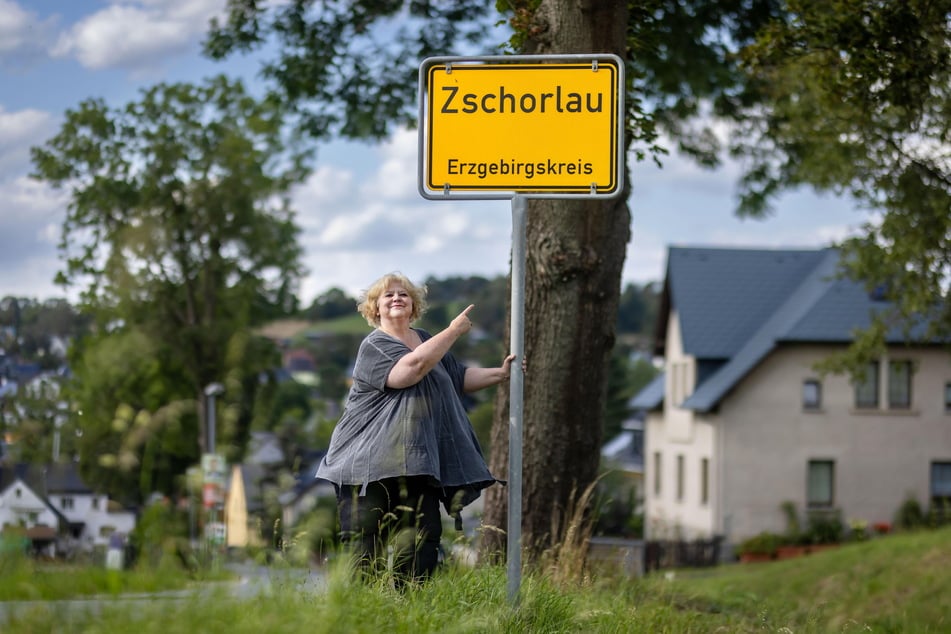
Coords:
404,444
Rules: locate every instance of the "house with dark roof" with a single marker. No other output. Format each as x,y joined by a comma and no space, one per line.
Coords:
27,514
56,510
740,422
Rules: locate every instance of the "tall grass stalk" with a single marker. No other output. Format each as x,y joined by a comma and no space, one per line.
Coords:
571,529
892,584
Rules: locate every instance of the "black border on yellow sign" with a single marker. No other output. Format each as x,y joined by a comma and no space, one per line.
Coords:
608,63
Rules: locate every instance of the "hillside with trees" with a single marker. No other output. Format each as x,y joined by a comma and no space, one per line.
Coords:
35,337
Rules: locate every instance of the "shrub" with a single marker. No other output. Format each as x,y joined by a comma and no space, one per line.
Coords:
160,537
940,513
764,543
794,533
910,514
825,527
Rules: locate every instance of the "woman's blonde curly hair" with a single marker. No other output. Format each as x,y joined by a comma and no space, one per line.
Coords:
367,307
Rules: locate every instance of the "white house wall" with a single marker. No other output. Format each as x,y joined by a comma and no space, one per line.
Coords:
679,377
93,512
20,506
678,433
670,516
880,457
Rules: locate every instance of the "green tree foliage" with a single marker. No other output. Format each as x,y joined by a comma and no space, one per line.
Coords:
29,328
857,98
350,68
627,375
180,234
637,309
291,400
330,304
135,437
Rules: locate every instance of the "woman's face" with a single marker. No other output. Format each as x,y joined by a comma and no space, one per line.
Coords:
395,303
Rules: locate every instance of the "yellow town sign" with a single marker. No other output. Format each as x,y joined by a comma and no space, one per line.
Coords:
549,127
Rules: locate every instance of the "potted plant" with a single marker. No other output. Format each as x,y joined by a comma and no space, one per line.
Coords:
759,547
794,544
825,529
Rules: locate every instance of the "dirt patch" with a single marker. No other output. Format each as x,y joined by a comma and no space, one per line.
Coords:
284,329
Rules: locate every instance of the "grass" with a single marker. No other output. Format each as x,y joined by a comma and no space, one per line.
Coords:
354,324
22,579
898,583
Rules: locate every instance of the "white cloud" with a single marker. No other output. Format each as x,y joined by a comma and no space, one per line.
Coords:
32,202
396,178
15,24
138,34
678,171
18,132
30,221
325,193
358,226
22,34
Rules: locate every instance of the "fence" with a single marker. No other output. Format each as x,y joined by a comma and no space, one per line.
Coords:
699,553
635,557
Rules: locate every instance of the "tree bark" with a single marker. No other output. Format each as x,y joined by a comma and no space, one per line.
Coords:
575,254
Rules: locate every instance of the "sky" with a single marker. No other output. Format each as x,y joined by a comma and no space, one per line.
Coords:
360,212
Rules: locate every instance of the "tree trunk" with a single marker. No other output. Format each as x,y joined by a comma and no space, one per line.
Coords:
575,253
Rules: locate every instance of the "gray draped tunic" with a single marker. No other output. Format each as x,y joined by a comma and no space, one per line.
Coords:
419,430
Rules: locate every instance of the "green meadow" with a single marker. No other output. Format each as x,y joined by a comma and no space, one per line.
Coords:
897,583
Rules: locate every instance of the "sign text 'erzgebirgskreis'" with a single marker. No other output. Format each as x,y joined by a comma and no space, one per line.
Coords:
542,127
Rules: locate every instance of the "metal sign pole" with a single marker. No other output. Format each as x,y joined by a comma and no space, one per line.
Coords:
514,526
467,108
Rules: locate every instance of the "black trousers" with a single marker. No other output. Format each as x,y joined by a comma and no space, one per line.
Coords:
400,512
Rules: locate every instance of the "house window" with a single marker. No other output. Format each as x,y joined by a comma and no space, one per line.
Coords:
95,503
819,484
940,483
899,385
680,478
811,394
947,398
19,493
637,444
704,480
866,388
66,504
657,473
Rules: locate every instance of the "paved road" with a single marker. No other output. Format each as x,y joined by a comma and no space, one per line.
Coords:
252,580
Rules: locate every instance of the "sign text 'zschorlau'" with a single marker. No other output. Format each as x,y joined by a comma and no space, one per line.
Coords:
550,128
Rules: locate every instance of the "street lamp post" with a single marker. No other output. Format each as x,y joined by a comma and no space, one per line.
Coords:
213,474
211,391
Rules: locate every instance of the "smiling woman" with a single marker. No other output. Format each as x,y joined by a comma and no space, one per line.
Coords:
404,444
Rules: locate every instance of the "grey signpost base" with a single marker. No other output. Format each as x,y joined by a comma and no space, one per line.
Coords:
514,515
